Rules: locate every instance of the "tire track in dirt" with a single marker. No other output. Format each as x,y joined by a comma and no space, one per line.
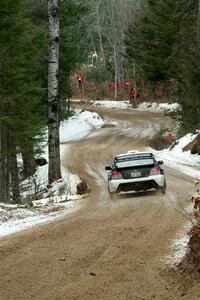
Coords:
108,249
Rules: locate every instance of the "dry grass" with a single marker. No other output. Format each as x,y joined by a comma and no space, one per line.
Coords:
160,141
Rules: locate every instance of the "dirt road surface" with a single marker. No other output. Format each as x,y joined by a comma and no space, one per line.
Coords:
108,249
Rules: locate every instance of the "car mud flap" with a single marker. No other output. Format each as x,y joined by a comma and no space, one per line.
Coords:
113,195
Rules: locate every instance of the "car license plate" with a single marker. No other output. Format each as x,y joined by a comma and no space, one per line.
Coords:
135,174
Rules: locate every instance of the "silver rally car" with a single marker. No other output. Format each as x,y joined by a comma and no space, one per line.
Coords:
135,171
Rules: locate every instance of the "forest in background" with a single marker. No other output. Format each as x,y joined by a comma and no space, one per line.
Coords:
163,42
154,43
24,82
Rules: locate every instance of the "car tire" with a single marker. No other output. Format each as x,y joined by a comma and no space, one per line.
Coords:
112,194
163,189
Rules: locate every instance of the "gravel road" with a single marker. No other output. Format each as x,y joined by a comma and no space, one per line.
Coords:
108,249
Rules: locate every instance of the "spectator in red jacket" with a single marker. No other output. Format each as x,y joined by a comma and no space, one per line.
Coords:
133,94
80,80
80,85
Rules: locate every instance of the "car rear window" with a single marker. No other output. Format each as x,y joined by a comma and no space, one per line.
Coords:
135,162
134,157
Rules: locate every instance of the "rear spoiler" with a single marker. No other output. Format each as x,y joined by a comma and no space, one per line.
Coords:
134,163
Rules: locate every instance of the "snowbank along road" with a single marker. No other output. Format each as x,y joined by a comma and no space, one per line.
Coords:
109,249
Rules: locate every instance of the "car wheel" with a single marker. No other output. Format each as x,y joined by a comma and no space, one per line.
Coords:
163,190
112,194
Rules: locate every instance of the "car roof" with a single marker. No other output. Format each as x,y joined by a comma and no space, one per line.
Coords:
135,154
134,159
128,153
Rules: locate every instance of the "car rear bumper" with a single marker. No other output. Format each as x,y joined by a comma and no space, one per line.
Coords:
137,184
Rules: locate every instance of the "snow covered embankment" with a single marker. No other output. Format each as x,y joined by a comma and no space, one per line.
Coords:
188,164
54,201
80,125
143,106
159,107
112,104
183,161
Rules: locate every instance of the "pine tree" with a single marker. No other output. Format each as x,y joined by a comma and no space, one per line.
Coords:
150,39
73,42
23,81
21,89
187,52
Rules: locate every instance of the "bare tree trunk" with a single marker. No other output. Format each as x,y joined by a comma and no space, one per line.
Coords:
198,24
53,92
113,40
99,31
29,165
116,71
4,165
14,173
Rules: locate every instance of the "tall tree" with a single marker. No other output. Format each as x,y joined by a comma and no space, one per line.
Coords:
53,92
187,51
163,43
23,83
150,40
20,92
107,21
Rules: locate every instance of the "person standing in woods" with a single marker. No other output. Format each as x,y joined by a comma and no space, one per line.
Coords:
80,85
133,95
94,57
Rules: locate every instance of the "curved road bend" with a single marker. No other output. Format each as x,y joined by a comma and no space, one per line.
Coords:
109,249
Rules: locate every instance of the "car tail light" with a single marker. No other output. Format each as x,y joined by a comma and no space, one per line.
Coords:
155,171
116,175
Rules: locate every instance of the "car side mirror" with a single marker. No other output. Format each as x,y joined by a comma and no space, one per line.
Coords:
108,168
160,162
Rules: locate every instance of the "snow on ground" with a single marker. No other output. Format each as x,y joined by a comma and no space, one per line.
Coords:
61,197
143,106
183,161
159,107
179,246
64,200
112,104
15,220
75,128
188,164
80,125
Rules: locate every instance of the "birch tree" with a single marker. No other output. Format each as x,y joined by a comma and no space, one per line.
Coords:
108,21
118,15
53,92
